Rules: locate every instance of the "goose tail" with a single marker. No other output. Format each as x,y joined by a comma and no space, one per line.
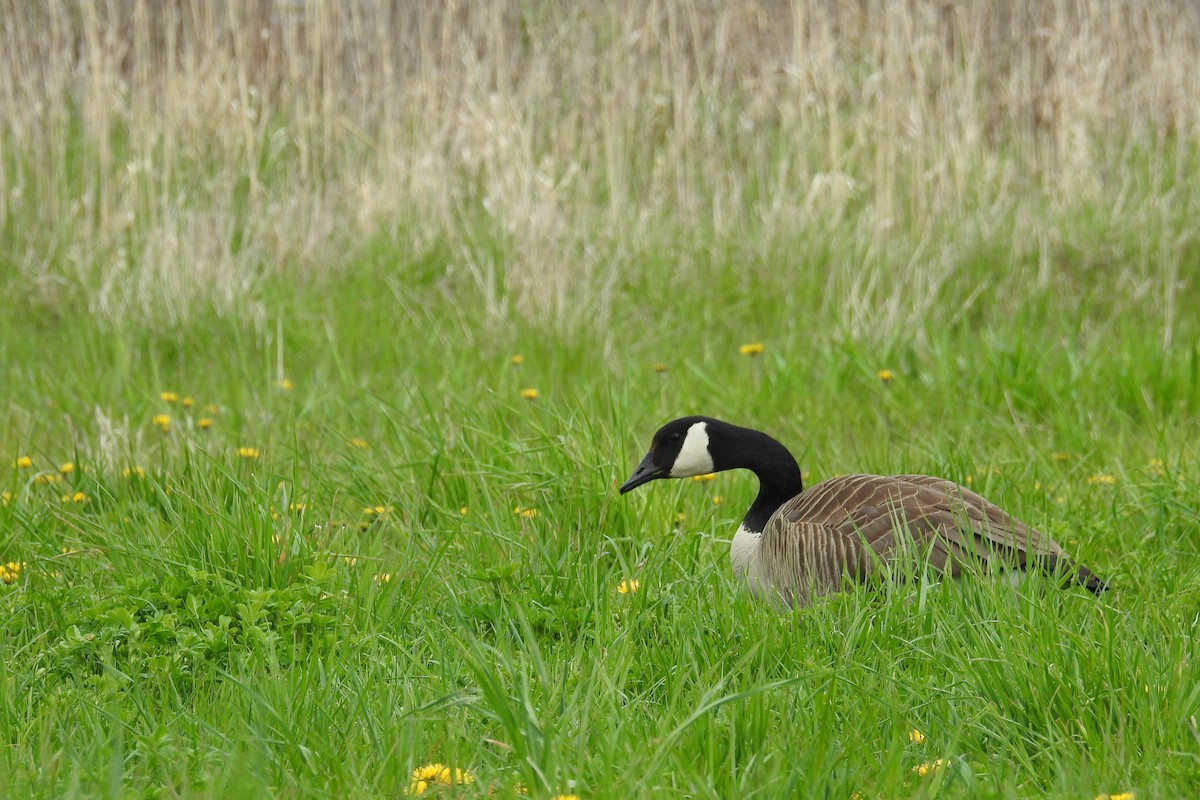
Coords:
1088,579
1075,575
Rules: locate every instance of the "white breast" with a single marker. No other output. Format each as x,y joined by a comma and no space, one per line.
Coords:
743,553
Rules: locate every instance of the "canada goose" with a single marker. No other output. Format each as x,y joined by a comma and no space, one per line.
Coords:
802,544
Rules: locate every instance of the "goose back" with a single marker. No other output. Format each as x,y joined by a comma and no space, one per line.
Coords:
852,527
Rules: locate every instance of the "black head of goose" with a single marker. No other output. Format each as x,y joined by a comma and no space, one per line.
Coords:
799,544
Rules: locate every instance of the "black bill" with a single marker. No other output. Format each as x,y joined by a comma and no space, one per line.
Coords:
645,472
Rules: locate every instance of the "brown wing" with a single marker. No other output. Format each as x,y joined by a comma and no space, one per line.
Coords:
802,560
980,525
848,527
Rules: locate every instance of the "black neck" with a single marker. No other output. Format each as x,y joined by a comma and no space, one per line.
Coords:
778,473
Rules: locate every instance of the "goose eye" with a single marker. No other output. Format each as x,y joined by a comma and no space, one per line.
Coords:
675,437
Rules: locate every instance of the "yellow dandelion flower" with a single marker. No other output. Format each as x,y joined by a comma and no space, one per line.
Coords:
528,394
423,776
204,423
13,568
248,453
717,499
970,479
680,517
79,497
212,408
751,349
8,576
930,767
162,421
376,510
565,797
885,375
1060,456
285,384
359,443
23,462
660,367
437,774
133,472
5,497
1102,479
517,360
916,737
528,513
1157,465
169,397
708,476
44,478
188,402
462,512
1118,796
629,587
66,468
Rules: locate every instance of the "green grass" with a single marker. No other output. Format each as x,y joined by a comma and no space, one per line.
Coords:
186,633
381,204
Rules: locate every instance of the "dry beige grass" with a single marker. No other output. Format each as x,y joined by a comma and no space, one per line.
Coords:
168,154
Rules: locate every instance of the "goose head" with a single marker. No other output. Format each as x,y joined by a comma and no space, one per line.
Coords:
680,449
699,445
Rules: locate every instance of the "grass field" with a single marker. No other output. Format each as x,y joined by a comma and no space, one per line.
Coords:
282,519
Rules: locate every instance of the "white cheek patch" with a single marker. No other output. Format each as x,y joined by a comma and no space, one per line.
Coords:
693,458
